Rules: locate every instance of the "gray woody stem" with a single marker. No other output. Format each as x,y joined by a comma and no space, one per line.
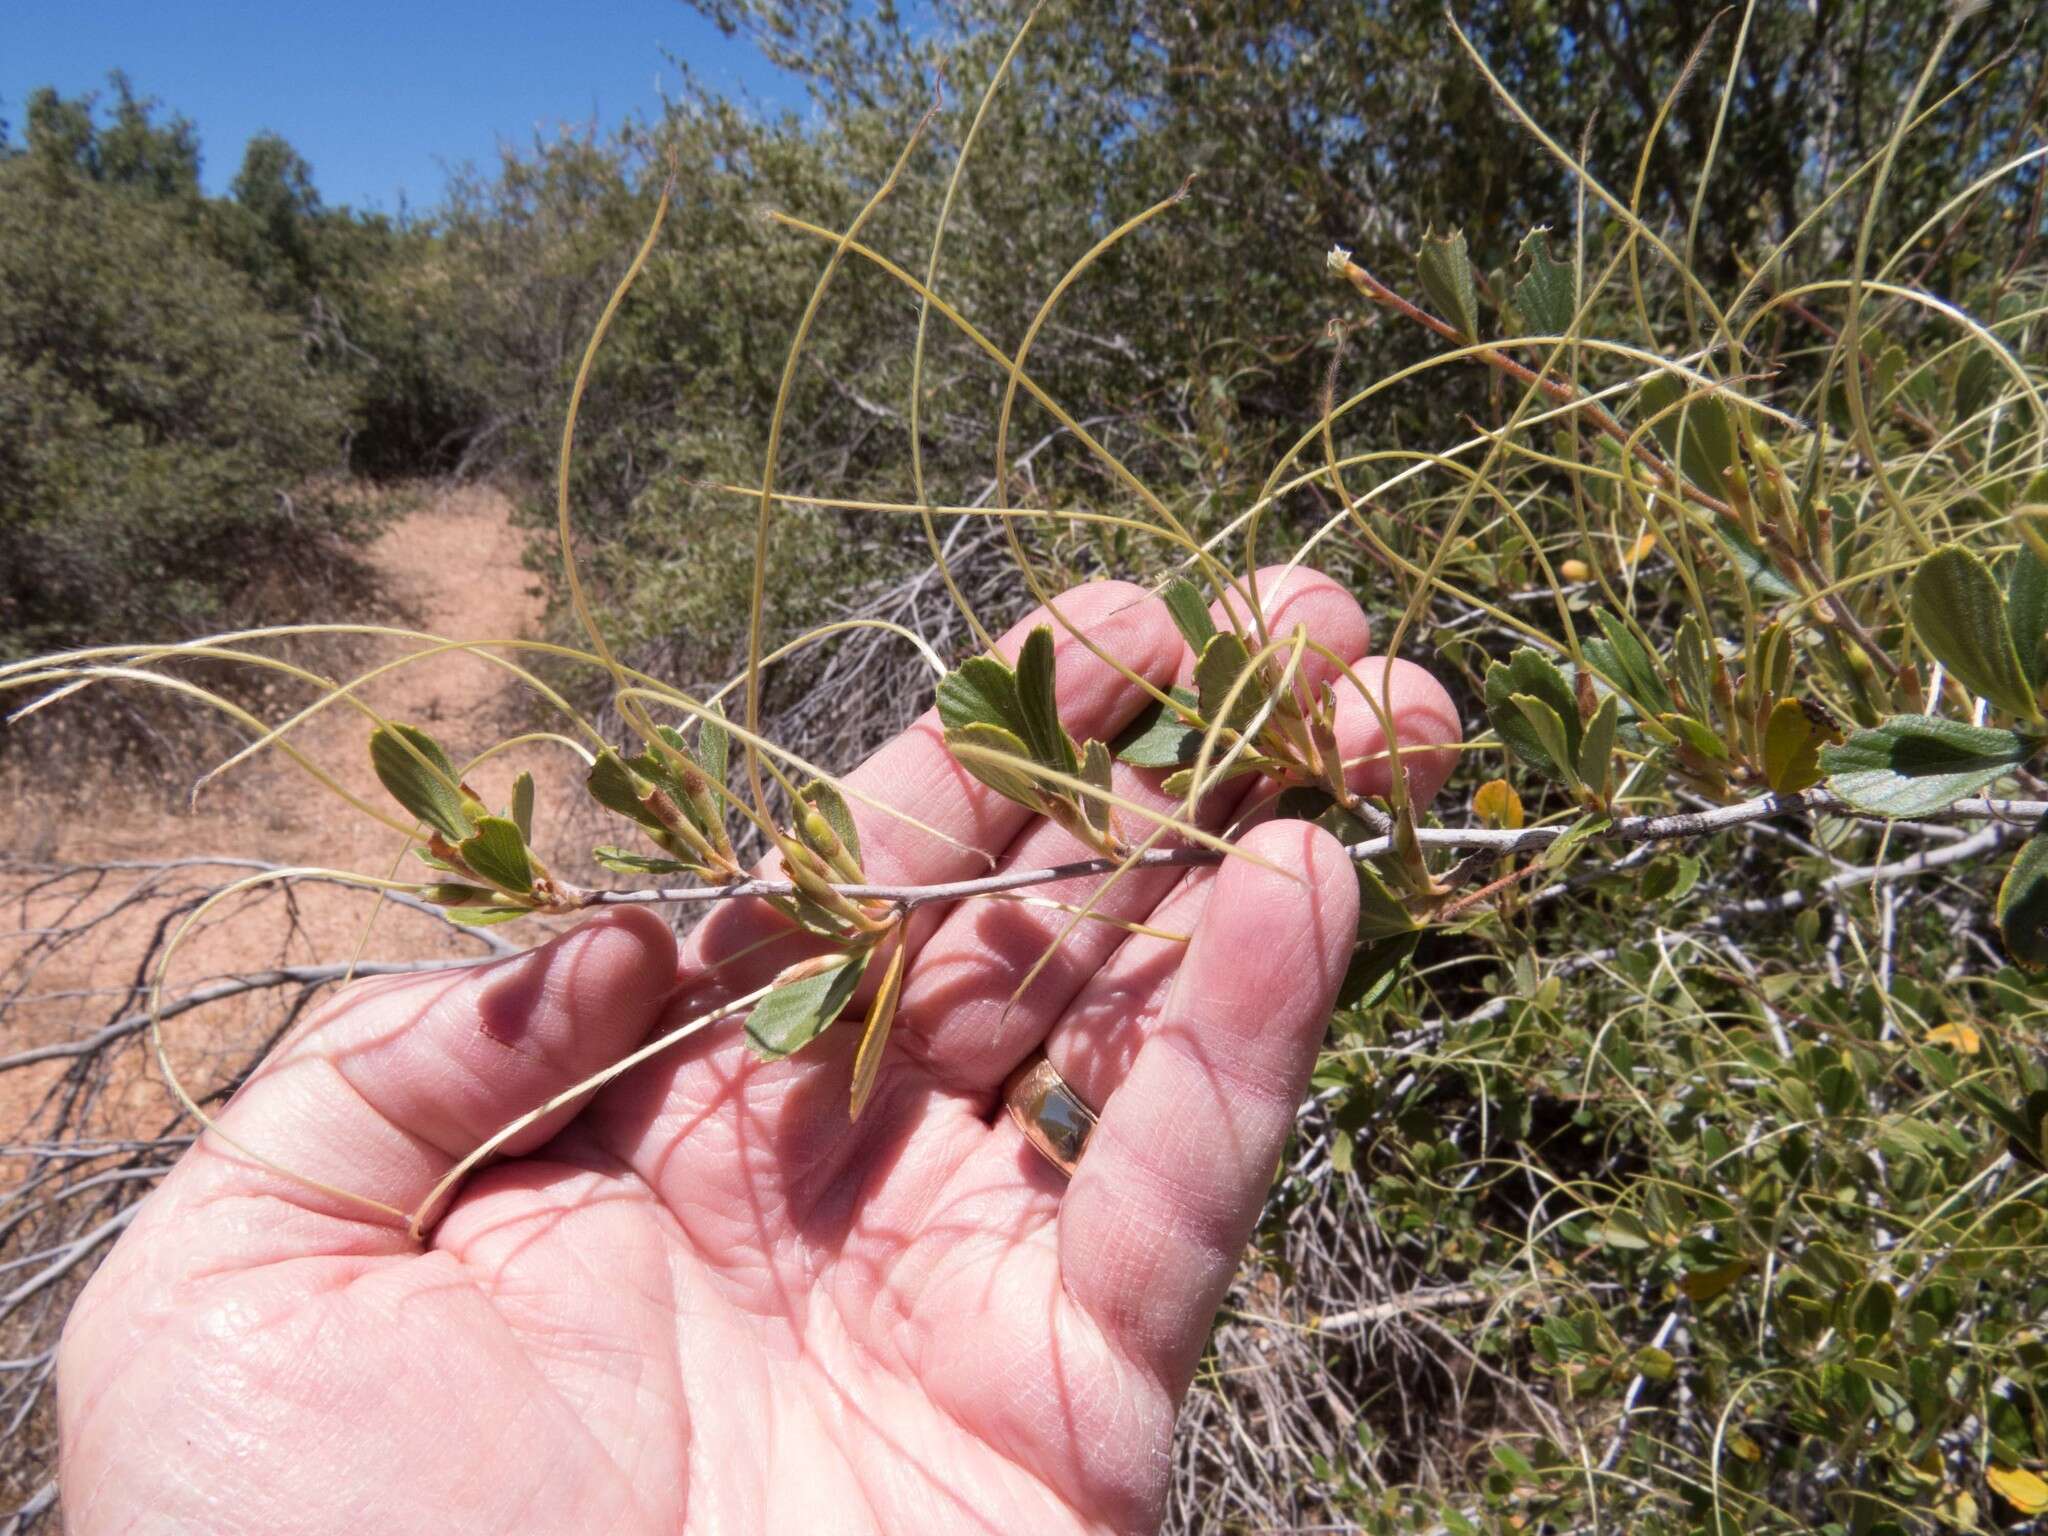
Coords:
1628,829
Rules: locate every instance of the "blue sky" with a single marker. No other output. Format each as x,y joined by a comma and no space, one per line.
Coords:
380,97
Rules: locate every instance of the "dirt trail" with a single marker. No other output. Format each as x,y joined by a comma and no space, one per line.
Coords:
451,568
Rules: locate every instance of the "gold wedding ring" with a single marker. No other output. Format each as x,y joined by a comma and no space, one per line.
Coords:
1049,1113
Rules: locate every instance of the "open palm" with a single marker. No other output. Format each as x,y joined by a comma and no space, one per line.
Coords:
707,1302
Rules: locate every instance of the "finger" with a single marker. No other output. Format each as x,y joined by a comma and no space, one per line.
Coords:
1098,1037
962,1015
395,1081
917,777
1423,716
1153,1226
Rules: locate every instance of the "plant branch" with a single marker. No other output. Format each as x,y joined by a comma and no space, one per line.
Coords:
1502,843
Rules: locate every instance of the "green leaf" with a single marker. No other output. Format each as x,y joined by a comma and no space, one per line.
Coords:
484,917
831,805
1596,749
1670,877
714,744
2026,612
1381,914
1630,667
1180,782
1548,728
1544,296
1912,765
1530,672
981,690
1975,377
1792,743
498,853
1190,613
1007,746
1692,664
1446,271
1374,969
1703,445
1160,738
1038,701
626,862
1621,1230
796,1012
428,790
522,805
2023,905
1700,738
1095,768
1959,615
1654,1364
1224,661
452,893
1753,565
617,788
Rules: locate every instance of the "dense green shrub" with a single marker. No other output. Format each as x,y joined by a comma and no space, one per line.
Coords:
161,434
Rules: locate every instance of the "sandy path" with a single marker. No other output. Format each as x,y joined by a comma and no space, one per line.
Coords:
452,568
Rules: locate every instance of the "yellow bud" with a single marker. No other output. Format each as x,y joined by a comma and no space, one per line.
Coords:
1575,570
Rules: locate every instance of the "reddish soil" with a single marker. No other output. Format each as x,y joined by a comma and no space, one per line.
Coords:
451,568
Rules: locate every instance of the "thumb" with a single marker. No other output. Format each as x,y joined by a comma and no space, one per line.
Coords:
396,1080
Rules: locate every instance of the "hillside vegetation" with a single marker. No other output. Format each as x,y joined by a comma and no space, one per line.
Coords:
1689,385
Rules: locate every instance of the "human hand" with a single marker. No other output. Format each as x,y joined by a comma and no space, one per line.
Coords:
705,1301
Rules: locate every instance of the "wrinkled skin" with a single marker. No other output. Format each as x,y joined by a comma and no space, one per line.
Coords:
706,1302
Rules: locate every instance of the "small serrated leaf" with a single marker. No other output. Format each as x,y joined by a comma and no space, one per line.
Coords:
1190,613
1697,736
1753,565
1445,268
1531,672
1224,661
1375,967
522,805
497,851
1630,666
1038,700
1596,747
485,917
714,744
1913,765
1544,295
2026,612
2023,905
981,690
1159,737
615,787
1548,729
1959,615
1704,445
427,789
998,758
802,1007
1381,914
624,861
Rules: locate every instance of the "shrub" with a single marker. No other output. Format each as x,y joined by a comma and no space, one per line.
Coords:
162,436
